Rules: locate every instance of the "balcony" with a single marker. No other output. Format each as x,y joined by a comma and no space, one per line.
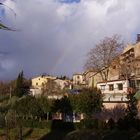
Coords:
115,97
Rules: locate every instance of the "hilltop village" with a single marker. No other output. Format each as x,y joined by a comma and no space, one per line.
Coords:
100,104
114,89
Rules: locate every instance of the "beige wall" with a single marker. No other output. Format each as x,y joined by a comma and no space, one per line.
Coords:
96,78
40,80
113,73
63,83
125,85
78,79
137,50
87,75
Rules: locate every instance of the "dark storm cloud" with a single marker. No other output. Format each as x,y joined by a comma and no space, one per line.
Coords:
54,37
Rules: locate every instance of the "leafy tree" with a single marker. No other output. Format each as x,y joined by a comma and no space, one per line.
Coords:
90,101
12,101
10,119
74,98
101,56
63,106
45,105
28,106
10,122
21,106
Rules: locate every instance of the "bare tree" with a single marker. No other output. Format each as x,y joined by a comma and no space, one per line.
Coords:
51,88
119,111
103,54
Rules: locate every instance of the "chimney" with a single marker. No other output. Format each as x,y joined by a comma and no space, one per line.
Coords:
138,37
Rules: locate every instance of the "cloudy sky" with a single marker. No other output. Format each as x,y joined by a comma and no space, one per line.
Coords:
54,36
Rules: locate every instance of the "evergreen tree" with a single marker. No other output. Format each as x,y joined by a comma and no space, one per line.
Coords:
63,106
20,88
132,106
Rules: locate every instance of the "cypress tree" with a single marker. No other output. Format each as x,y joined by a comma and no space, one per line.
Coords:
19,90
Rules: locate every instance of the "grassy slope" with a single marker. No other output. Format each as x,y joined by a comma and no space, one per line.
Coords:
28,133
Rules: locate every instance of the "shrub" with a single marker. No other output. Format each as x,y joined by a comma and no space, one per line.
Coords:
82,135
2,121
4,97
89,123
60,125
36,124
68,126
111,123
126,123
77,125
10,118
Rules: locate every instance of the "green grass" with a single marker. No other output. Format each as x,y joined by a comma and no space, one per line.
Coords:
83,134
37,134
28,133
4,98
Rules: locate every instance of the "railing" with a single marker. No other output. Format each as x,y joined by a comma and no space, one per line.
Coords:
115,97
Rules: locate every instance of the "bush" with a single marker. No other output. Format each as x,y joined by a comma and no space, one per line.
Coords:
89,123
2,121
77,125
51,124
126,124
4,97
111,123
60,125
117,135
36,124
4,108
10,118
82,135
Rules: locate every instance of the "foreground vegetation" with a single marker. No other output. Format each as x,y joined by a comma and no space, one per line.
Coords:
24,117
70,131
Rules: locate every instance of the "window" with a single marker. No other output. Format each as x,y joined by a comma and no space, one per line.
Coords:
36,84
120,86
102,87
111,87
138,71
